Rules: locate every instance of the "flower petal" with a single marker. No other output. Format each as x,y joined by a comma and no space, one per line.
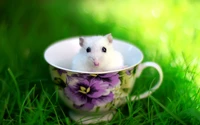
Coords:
87,106
97,88
112,81
108,75
103,99
75,97
76,84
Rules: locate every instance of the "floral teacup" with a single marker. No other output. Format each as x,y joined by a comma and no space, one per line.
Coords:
93,96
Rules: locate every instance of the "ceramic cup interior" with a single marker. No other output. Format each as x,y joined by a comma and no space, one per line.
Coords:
60,54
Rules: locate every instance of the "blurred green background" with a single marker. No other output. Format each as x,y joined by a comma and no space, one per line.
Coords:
168,32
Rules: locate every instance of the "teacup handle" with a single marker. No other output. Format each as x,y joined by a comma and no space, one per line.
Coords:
139,70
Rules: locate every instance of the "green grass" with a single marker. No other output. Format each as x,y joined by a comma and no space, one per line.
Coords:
166,31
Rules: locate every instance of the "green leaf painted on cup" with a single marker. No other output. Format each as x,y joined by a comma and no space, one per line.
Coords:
97,109
126,90
59,82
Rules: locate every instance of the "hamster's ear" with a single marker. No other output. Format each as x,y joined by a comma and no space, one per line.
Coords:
109,37
81,41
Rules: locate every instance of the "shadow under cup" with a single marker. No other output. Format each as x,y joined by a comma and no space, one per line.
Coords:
96,94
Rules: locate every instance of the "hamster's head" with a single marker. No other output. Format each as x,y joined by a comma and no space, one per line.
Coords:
97,50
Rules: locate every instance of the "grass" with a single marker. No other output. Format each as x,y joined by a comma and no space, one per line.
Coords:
166,31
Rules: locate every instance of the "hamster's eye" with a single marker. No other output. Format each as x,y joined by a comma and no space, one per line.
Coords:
88,49
104,49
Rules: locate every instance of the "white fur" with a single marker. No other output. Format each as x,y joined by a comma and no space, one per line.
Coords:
111,60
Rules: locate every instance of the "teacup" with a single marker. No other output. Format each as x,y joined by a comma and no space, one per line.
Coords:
94,96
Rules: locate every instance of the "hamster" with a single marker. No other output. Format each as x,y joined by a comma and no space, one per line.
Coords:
97,54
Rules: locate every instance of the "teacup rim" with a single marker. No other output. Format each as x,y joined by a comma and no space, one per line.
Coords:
89,72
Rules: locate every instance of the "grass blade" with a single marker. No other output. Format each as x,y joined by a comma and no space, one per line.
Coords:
16,86
172,114
51,104
21,109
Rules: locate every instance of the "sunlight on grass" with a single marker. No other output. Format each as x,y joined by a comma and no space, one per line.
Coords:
166,24
158,22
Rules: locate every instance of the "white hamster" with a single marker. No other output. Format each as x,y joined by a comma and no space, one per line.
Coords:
97,54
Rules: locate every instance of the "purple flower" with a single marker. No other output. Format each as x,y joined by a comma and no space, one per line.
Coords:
86,90
86,94
112,79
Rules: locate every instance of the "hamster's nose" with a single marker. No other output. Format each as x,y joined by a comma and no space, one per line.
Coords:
95,62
